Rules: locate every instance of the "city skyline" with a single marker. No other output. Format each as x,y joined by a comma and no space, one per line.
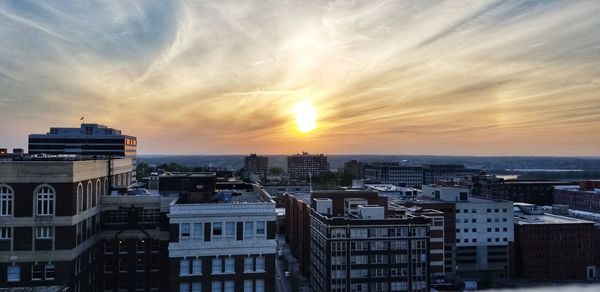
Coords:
386,77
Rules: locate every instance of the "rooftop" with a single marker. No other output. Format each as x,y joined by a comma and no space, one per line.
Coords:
53,157
523,219
576,188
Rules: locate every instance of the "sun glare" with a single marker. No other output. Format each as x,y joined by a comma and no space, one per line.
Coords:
306,117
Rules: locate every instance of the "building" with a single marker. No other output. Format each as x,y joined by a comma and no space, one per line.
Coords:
394,173
484,232
51,227
297,228
585,197
356,168
432,173
222,236
553,247
89,139
537,192
371,251
258,165
301,165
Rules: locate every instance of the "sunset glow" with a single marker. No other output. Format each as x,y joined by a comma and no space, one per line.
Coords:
306,117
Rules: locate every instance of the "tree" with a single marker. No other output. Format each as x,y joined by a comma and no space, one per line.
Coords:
276,170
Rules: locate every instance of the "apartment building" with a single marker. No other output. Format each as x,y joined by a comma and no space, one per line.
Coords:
301,165
484,232
432,173
50,211
368,252
258,165
585,197
221,240
394,173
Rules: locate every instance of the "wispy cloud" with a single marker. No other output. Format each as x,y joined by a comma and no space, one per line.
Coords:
415,77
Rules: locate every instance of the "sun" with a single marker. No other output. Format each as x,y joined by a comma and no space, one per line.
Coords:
306,117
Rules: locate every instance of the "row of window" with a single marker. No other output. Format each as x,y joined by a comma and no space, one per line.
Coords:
221,265
46,232
379,232
222,230
474,240
38,272
123,246
504,210
466,230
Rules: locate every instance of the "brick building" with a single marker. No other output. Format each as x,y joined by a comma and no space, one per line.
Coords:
585,197
301,165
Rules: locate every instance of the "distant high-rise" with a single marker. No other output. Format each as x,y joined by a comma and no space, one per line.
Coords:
255,164
89,139
300,165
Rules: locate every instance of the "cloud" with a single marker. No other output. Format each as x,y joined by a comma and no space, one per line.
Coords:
426,77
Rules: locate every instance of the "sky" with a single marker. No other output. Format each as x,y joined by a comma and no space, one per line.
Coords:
383,77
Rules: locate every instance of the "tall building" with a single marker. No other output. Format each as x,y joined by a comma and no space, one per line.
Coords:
51,227
432,173
254,164
484,232
553,247
394,173
89,139
370,251
301,165
223,240
537,192
355,167
585,197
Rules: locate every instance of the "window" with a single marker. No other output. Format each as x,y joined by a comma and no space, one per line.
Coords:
122,265
184,287
88,198
217,230
44,232
5,233
196,287
50,272
184,267
6,201
140,246
184,230
154,264
248,229
260,263
217,266
45,201
216,286
229,265
504,220
37,272
139,265
79,198
198,230
105,188
248,264
13,273
248,286
229,286
122,246
230,229
97,194
197,266
260,228
108,247
260,286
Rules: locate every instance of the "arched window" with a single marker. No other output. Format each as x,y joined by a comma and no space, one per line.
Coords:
6,200
88,198
105,186
45,200
119,181
97,194
79,198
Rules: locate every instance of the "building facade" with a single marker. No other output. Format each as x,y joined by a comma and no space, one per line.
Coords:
50,223
223,241
432,173
585,197
394,173
301,165
254,164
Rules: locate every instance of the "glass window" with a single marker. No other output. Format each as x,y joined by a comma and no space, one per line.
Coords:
198,230
216,286
260,228
43,232
184,267
13,273
6,201
248,264
260,285
229,286
248,229
217,230
184,287
5,233
37,272
248,286
260,263
229,265
197,267
230,229
217,266
45,201
184,231
50,272
196,287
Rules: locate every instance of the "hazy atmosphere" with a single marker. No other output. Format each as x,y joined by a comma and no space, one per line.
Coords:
223,77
